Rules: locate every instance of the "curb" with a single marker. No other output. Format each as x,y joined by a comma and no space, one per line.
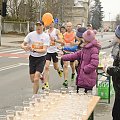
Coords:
10,46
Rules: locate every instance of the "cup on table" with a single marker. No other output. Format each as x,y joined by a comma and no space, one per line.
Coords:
10,114
81,91
85,108
26,106
90,95
19,111
64,90
3,117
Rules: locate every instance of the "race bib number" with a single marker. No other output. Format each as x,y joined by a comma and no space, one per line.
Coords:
52,43
37,45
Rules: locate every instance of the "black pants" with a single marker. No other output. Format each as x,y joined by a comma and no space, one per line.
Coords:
116,108
61,62
86,89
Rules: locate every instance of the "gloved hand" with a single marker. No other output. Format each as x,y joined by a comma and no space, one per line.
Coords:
113,71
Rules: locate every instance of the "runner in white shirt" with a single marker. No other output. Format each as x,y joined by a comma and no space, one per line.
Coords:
36,43
55,38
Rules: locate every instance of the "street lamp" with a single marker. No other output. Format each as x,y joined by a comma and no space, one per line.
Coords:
109,17
110,20
25,2
40,9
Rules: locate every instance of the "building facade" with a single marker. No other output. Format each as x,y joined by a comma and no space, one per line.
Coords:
109,25
76,11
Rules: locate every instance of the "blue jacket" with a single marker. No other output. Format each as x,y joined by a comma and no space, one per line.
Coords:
71,48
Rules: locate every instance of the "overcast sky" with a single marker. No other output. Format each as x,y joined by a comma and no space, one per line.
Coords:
111,8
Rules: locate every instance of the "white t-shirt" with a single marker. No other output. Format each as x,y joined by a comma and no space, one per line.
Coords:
53,49
34,37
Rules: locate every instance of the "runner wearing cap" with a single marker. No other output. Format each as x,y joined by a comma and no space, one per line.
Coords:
36,43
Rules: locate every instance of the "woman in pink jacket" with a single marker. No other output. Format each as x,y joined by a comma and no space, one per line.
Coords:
89,60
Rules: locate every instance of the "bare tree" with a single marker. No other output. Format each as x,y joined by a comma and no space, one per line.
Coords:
13,8
23,10
30,9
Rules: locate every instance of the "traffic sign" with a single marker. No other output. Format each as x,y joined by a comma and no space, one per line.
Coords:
56,20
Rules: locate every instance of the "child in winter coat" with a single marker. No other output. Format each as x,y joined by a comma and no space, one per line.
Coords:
89,60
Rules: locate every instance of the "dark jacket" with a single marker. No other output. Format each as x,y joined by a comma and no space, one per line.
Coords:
115,72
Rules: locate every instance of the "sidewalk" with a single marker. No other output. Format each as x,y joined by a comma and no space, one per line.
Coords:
11,40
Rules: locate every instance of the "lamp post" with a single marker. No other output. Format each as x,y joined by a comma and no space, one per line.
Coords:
62,11
40,9
110,19
25,3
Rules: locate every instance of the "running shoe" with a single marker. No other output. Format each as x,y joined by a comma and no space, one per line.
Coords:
65,84
45,86
60,73
73,77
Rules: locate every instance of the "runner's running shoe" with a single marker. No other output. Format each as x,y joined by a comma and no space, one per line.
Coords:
60,73
65,84
73,77
45,86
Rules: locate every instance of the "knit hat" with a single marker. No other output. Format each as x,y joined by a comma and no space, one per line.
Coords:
89,35
117,31
80,32
95,31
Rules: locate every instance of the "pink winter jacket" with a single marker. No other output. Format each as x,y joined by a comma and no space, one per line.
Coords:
89,60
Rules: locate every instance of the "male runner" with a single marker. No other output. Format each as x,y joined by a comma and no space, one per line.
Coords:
36,43
69,38
55,37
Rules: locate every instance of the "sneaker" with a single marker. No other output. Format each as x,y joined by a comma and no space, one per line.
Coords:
65,84
45,86
73,77
60,73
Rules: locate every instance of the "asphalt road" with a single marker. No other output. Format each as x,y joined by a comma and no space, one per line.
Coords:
15,85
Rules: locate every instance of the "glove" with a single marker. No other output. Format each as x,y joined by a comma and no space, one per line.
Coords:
113,71
110,71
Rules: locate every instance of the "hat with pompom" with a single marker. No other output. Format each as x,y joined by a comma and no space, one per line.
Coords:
89,35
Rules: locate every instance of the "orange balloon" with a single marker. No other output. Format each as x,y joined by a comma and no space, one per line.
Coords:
47,18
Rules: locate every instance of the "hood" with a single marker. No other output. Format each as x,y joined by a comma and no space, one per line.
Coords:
93,43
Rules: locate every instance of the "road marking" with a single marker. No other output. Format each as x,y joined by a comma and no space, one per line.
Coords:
6,49
19,52
13,57
51,65
24,64
10,51
17,65
9,67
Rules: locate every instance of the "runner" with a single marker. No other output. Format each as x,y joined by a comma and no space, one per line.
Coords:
69,38
89,27
78,26
36,43
62,30
55,37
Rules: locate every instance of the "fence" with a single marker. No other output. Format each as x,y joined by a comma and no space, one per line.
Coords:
15,27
